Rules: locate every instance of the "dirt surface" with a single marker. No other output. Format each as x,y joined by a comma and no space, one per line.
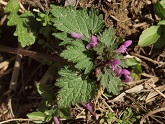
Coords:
128,18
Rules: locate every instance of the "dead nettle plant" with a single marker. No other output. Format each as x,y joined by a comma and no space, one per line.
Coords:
96,53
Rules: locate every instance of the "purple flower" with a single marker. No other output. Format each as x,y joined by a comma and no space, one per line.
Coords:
75,35
92,43
125,72
97,72
89,107
56,121
123,48
118,71
114,63
127,78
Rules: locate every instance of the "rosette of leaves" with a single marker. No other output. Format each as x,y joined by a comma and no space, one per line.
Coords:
77,82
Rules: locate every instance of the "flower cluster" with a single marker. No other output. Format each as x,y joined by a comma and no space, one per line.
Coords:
92,43
119,71
113,63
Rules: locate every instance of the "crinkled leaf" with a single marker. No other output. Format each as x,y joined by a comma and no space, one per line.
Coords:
114,85
100,49
95,21
69,19
74,88
45,18
149,36
107,37
110,82
26,36
64,37
77,53
123,63
12,6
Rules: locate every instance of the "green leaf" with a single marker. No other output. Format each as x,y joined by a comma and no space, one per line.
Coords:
43,106
114,85
45,18
131,62
138,68
160,43
135,76
69,19
161,22
74,88
77,53
65,112
109,81
159,8
95,22
162,2
12,6
23,23
51,111
64,37
99,49
149,36
107,37
46,92
38,117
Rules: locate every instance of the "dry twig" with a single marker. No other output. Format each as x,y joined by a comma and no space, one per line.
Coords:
142,121
19,120
32,54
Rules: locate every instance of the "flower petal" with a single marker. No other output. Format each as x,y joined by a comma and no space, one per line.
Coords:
97,72
118,72
56,121
121,49
88,46
127,43
89,107
75,35
114,63
94,38
93,41
127,78
125,72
